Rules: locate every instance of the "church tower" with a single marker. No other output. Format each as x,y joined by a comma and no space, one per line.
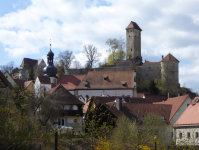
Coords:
50,70
133,42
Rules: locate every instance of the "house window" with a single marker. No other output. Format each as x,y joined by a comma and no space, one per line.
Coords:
31,85
188,135
149,67
173,64
196,134
131,49
28,91
61,121
180,135
6,76
68,107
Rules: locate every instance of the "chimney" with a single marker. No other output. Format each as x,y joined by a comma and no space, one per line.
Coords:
168,95
162,56
119,103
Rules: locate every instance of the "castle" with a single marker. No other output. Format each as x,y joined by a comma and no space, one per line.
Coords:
166,69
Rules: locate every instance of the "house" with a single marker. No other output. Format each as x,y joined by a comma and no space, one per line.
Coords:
11,80
15,76
112,83
27,64
187,126
179,105
29,86
4,83
71,106
153,97
80,97
70,82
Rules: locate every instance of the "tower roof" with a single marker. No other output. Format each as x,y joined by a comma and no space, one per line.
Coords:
170,57
133,25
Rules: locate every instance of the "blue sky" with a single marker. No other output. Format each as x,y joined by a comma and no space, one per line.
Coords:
169,26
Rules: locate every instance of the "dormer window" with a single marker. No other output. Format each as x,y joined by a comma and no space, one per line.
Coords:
87,84
124,84
106,78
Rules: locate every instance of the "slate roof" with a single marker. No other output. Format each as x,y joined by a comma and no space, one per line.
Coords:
4,82
20,82
151,63
108,80
63,96
169,57
44,80
190,116
176,103
70,82
133,25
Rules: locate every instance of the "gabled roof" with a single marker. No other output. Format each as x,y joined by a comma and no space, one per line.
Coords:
44,80
176,103
139,110
20,82
4,82
70,82
27,83
190,116
27,63
63,96
169,57
151,63
133,25
108,80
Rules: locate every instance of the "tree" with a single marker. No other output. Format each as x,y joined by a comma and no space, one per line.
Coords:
119,55
76,64
65,59
90,51
15,70
31,74
9,67
152,87
116,45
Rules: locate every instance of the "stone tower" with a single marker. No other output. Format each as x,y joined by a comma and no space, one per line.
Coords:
133,41
169,70
50,70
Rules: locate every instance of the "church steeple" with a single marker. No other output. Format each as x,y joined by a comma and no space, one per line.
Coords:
50,70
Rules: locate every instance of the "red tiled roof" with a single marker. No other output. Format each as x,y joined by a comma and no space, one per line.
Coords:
20,82
190,116
138,110
70,82
27,83
170,57
133,25
64,96
151,63
4,82
115,80
44,80
176,103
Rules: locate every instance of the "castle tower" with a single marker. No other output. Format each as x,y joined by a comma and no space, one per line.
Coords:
50,70
169,70
133,41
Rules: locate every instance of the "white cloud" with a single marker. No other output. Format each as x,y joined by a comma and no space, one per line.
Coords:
168,26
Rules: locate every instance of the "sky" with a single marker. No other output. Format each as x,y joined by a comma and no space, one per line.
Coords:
169,26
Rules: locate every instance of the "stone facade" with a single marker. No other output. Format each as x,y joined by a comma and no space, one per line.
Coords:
166,69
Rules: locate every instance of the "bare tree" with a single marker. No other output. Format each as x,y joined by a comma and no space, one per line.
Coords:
76,64
66,58
9,67
90,51
116,45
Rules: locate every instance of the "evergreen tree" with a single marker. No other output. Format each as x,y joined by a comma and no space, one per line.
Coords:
31,74
152,87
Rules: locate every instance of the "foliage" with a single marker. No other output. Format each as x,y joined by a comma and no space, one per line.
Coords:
118,55
65,59
31,74
92,54
15,70
60,70
19,128
116,45
152,88
77,64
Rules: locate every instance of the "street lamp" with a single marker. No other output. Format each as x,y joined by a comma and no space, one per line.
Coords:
155,142
56,134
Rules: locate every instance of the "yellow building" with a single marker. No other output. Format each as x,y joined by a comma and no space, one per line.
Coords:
11,80
29,86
